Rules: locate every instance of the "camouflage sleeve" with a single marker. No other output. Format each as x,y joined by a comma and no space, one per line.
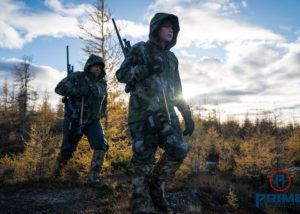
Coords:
68,86
131,69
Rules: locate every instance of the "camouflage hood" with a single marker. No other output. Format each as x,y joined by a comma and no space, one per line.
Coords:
92,60
154,26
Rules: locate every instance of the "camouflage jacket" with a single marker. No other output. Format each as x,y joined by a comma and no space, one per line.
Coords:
149,91
95,103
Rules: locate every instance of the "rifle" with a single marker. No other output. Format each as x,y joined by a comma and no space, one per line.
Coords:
126,48
71,111
70,68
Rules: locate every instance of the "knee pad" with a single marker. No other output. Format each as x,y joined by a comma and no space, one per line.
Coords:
176,147
142,153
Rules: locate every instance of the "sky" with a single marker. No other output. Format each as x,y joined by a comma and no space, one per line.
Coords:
239,57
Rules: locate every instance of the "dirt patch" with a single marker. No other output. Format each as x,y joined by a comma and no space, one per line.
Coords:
50,200
83,200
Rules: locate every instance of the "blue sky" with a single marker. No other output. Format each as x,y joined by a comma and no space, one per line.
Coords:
238,57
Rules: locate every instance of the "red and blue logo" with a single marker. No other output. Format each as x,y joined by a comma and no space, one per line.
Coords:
280,181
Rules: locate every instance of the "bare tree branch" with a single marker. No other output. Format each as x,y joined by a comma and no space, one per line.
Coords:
23,76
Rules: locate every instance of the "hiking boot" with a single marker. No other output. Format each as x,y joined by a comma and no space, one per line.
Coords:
164,169
140,199
59,166
98,184
96,167
157,196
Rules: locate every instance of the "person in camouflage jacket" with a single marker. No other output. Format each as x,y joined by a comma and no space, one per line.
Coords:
150,72
91,85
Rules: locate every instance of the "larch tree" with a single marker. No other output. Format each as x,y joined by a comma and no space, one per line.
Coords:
98,37
23,76
293,146
257,156
5,97
99,40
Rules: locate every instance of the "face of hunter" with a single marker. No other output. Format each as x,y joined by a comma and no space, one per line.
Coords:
166,32
96,69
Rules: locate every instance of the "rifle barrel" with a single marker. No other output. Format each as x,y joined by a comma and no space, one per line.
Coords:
68,64
119,37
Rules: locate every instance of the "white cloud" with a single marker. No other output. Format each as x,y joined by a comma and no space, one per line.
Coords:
204,24
210,29
286,70
256,66
135,30
285,28
208,24
201,76
20,24
297,32
45,77
292,47
255,75
250,57
186,54
69,9
244,4
9,37
56,26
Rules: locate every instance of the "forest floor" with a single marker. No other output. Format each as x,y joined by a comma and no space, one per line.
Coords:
55,196
59,196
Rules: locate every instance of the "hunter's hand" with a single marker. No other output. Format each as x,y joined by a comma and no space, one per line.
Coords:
84,90
189,123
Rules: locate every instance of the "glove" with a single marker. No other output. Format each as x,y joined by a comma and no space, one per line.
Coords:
93,90
83,90
189,123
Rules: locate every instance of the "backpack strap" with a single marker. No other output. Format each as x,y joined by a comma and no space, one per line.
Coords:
82,102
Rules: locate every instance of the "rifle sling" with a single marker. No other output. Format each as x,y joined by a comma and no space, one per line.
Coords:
82,100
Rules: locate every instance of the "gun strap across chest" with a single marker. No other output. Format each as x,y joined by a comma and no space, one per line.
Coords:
82,100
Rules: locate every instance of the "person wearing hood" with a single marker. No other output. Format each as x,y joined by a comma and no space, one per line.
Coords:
150,72
85,91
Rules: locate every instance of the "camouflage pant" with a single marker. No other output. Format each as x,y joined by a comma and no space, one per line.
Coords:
145,145
144,148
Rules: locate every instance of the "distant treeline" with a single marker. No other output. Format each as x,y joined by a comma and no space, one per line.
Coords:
250,149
